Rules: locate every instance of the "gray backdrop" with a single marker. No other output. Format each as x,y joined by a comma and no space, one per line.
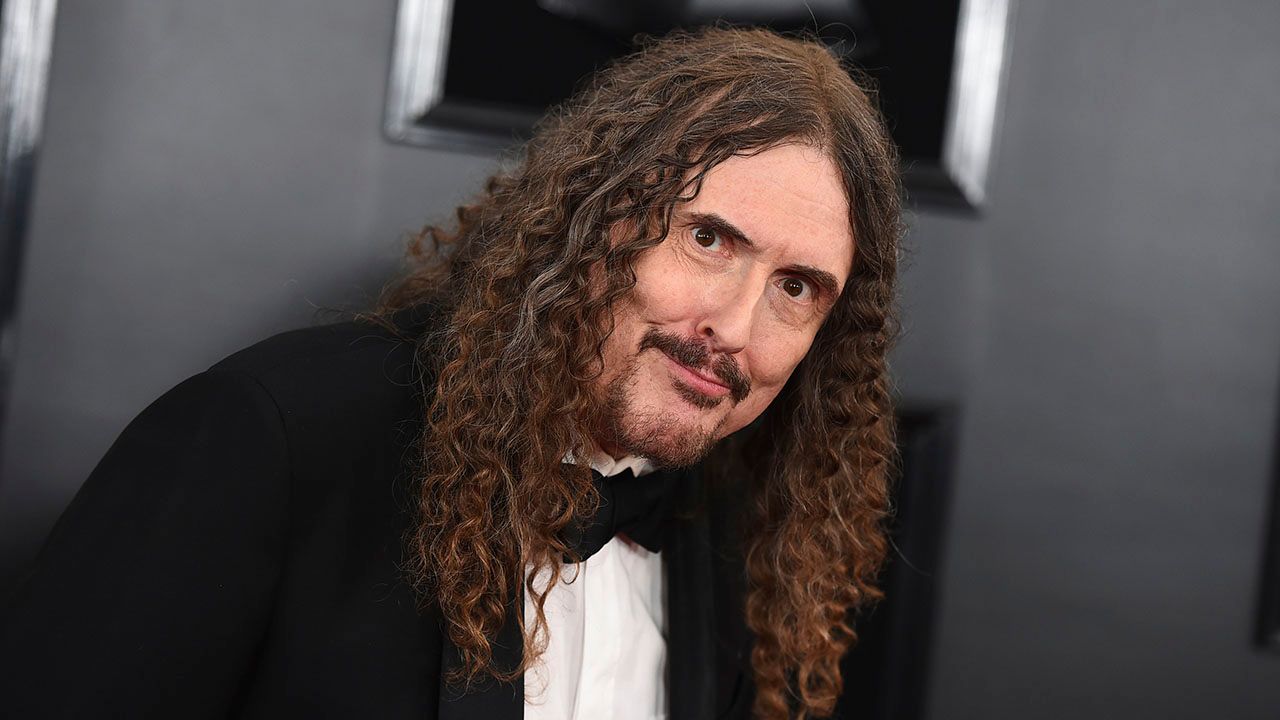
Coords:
1111,326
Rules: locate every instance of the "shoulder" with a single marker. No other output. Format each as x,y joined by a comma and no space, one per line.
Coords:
356,366
336,347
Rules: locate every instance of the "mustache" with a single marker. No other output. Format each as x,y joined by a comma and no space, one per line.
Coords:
694,354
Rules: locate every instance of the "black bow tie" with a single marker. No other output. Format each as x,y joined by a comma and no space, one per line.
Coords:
637,506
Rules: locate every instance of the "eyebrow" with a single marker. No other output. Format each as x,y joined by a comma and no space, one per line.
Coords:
717,222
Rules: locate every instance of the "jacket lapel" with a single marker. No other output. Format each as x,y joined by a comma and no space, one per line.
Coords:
691,669
735,690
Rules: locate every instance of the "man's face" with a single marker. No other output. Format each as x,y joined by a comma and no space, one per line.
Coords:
727,305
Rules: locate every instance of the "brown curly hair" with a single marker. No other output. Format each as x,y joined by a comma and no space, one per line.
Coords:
529,280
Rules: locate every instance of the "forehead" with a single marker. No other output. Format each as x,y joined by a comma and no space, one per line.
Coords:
789,200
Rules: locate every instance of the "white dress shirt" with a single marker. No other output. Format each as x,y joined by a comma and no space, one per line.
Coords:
607,650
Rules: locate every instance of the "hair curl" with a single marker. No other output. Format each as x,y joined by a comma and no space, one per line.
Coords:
529,281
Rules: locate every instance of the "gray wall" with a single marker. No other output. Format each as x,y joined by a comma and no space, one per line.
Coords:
1121,311
212,171
1109,326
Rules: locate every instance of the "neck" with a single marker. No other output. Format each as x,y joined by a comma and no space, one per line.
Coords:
613,451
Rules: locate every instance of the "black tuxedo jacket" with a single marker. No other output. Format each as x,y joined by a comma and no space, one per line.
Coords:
237,553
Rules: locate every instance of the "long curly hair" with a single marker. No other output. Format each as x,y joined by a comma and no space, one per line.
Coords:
528,280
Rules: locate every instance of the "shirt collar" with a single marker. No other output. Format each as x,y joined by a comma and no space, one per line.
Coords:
607,466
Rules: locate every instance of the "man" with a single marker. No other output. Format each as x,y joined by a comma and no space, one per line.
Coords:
620,451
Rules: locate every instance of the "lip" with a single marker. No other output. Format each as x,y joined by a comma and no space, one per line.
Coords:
697,380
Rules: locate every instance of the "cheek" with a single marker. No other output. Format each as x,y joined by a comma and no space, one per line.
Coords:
779,355
746,413
771,372
666,289
621,343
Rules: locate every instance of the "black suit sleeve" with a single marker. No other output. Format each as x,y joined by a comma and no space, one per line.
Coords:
155,587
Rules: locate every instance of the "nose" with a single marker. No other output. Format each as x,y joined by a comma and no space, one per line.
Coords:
729,313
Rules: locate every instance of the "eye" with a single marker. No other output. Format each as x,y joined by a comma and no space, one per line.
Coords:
796,288
707,238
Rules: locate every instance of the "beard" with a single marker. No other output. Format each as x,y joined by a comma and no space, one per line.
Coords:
655,434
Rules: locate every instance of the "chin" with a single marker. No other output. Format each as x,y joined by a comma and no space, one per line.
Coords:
667,445
668,430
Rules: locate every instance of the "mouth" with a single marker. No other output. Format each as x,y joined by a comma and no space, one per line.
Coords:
697,380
